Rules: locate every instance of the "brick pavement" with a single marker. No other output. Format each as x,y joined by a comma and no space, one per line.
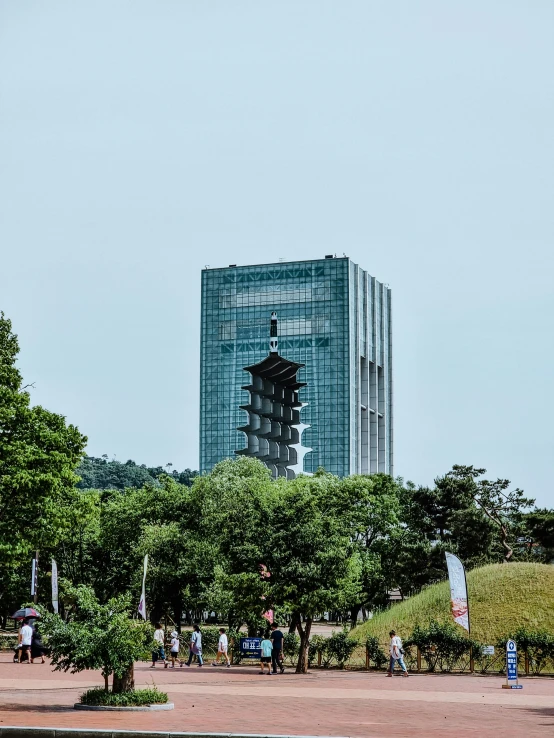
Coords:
321,703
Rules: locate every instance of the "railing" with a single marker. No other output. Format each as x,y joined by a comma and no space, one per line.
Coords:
433,662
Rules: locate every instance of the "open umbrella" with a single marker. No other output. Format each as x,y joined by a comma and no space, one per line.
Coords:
25,612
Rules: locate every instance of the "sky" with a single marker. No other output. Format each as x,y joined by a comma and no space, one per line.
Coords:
143,140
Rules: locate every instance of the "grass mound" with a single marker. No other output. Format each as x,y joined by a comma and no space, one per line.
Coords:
137,698
502,598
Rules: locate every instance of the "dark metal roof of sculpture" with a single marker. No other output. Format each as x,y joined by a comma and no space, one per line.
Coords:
277,369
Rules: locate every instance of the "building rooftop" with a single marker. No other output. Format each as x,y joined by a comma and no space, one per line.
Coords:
277,263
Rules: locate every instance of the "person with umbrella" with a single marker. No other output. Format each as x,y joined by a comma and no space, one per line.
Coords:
24,614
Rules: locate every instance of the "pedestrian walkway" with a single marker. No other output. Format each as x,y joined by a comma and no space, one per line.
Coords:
329,703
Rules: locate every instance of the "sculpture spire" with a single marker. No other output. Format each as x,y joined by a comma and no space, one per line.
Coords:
273,342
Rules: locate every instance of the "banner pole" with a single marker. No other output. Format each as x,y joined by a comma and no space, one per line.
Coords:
54,586
468,608
35,583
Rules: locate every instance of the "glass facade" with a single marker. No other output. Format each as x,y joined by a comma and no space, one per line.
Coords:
333,318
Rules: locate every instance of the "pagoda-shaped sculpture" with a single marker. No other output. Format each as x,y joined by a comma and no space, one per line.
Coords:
274,429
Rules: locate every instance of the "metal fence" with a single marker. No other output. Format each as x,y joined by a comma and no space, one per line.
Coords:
434,662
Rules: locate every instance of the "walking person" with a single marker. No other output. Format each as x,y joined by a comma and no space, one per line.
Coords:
267,647
195,646
175,645
159,651
396,654
277,639
222,648
25,641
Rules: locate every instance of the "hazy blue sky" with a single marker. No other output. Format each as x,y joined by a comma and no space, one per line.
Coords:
140,141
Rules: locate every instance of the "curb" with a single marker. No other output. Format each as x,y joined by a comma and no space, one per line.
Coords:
144,708
15,731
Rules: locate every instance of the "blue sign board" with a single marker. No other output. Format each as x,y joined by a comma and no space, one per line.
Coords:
511,661
251,648
511,667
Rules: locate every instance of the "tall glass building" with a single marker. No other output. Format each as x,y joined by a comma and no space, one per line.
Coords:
336,320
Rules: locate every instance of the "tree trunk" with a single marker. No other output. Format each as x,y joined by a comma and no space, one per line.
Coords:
233,621
304,633
126,683
505,545
354,616
294,621
156,613
177,612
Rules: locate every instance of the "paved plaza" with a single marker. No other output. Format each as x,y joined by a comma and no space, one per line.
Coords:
329,703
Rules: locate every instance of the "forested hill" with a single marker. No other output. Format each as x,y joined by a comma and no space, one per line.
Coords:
104,474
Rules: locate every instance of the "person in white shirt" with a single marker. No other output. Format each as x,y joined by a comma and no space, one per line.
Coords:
222,648
159,640
195,646
396,654
25,640
174,648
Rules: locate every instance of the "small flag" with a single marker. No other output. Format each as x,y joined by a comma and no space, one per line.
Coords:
142,603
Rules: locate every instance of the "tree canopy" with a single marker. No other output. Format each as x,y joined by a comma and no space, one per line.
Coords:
233,541
38,455
103,473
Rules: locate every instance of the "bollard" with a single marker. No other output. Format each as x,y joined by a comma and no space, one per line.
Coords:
418,659
319,658
366,657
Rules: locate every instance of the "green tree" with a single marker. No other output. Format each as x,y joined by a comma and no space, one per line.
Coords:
449,516
38,455
502,507
78,554
233,509
312,553
375,507
161,521
103,473
538,535
96,636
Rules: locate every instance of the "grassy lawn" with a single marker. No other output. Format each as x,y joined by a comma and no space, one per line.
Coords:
502,597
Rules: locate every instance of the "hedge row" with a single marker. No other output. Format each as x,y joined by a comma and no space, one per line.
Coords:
442,647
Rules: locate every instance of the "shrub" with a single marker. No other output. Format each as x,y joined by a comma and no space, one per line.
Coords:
488,663
441,645
340,647
137,698
318,644
8,644
537,644
376,654
291,646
